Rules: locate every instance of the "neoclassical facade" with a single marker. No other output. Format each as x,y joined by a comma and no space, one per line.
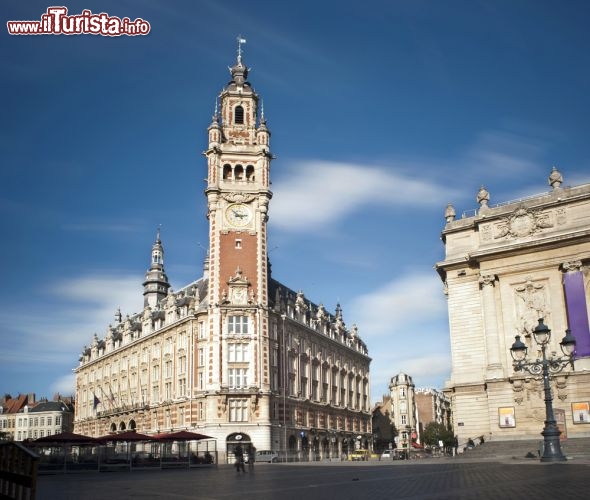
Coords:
235,354
505,267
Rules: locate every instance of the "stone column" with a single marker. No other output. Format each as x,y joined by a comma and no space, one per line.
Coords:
494,368
576,306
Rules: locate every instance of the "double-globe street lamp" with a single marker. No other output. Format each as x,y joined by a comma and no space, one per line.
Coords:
546,366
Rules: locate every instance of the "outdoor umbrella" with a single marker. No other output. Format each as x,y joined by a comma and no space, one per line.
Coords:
65,438
181,436
126,436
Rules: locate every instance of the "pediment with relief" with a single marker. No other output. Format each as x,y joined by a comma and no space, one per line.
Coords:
238,289
520,223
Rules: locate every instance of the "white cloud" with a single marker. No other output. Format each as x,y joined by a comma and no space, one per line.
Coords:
78,308
66,385
413,299
500,153
320,192
404,324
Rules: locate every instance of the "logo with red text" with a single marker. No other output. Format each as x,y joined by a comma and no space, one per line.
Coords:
56,21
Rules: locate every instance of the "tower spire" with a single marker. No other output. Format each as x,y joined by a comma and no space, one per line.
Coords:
156,285
240,41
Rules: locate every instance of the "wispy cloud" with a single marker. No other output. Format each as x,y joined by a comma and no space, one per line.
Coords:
72,311
408,301
404,323
320,192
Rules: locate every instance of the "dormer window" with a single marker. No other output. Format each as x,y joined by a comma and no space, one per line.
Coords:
239,115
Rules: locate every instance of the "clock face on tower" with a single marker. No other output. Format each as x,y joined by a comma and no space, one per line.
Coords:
238,214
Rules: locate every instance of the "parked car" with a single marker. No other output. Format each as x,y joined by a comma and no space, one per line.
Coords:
387,455
359,455
267,456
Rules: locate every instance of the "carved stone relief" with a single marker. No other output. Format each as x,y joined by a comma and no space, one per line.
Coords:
530,305
238,197
522,222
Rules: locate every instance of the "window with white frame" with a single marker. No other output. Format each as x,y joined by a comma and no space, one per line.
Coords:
238,378
237,325
181,365
237,353
238,410
201,331
201,356
404,419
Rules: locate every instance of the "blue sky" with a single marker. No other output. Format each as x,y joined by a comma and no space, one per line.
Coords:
381,113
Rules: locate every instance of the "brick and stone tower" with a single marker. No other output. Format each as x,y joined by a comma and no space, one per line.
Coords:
238,195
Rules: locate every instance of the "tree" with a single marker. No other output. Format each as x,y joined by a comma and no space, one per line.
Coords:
435,432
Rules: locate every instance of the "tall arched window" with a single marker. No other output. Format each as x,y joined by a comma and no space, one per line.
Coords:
250,173
239,173
239,115
226,171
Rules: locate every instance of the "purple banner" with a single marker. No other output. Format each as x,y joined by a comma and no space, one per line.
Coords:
577,311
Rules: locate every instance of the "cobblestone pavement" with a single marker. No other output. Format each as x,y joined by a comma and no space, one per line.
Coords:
445,479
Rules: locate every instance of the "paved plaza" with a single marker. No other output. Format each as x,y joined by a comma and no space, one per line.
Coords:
427,479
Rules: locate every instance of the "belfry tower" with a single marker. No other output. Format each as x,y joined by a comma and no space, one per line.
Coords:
238,195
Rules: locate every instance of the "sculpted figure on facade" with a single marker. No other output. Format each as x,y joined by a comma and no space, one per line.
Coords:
531,304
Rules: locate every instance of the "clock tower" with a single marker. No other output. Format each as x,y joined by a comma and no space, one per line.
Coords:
238,195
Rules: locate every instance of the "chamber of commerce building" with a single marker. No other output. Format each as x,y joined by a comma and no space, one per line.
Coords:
506,267
234,355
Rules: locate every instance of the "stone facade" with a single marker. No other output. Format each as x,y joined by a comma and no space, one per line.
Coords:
505,267
236,354
44,419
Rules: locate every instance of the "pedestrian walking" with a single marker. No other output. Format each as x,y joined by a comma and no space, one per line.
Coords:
239,454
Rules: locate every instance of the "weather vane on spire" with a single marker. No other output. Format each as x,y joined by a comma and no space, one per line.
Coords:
240,42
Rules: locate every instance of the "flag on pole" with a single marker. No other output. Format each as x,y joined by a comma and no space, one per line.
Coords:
96,402
241,40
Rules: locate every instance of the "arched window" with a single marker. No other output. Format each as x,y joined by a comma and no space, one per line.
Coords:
239,115
250,173
226,172
239,173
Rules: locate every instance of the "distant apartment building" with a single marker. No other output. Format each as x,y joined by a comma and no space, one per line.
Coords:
432,406
44,419
9,408
404,413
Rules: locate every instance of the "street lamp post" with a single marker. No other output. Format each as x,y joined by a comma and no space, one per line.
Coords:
546,366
